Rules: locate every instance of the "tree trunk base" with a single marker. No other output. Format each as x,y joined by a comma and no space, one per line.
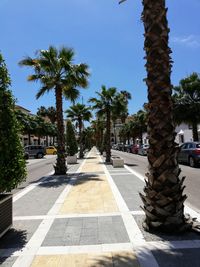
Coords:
189,224
60,170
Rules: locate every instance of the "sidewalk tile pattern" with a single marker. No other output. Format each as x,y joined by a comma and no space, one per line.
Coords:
129,187
86,231
44,196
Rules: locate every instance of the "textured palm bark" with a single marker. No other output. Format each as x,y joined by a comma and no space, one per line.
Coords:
60,167
195,132
163,194
81,155
108,125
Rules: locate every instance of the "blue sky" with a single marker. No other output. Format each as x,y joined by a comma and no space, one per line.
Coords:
105,35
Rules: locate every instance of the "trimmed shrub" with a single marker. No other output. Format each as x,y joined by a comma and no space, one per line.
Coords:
71,143
12,163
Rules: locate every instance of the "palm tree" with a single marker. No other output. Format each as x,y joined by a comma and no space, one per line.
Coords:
79,113
105,105
187,102
56,71
140,119
98,125
49,113
163,193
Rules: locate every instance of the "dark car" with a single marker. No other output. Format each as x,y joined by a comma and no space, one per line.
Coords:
35,151
134,148
127,148
189,153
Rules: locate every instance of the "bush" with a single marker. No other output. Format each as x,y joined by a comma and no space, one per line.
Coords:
71,143
12,163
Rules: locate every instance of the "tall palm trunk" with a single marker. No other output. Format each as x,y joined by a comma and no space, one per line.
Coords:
60,167
80,139
195,132
163,199
108,148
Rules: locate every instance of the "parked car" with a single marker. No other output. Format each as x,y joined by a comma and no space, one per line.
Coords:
51,150
189,153
127,148
120,146
35,151
142,150
134,148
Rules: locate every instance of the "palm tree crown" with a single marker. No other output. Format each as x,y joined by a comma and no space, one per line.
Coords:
56,71
79,113
105,104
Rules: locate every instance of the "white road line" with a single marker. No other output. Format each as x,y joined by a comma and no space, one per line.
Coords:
141,177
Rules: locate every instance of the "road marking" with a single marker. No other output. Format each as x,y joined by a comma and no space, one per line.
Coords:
141,177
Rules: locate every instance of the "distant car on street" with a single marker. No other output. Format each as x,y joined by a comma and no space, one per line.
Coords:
36,151
142,150
134,148
51,150
189,153
127,148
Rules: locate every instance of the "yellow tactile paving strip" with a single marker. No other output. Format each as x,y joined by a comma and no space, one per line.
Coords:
110,259
92,193
92,164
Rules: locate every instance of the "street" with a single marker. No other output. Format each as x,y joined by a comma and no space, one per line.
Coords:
36,169
139,164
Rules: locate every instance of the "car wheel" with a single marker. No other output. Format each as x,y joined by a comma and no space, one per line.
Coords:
40,155
192,162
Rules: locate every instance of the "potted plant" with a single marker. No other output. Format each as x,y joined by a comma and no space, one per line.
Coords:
71,144
12,162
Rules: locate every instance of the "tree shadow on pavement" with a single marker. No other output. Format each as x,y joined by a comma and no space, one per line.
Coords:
123,259
57,181
12,241
130,164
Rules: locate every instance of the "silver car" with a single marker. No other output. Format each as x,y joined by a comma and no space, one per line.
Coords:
142,150
190,153
35,151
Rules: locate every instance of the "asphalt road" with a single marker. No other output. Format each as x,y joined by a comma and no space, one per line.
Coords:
139,163
36,169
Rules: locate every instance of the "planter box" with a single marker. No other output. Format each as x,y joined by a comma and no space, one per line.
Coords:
117,162
72,159
6,208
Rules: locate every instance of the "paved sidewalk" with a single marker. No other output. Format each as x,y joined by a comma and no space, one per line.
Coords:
89,218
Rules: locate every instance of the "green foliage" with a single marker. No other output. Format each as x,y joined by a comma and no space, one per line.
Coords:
88,138
55,70
187,102
71,143
12,163
79,113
